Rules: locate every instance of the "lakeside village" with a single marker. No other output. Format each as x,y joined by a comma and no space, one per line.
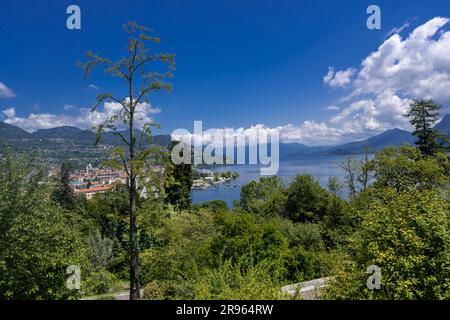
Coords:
93,180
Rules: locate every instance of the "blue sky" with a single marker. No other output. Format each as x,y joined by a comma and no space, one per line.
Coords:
239,63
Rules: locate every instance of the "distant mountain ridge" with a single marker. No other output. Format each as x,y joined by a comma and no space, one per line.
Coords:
71,134
394,137
10,132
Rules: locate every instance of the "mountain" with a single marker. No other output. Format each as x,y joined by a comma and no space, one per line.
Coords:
70,134
71,137
10,132
67,133
66,138
393,137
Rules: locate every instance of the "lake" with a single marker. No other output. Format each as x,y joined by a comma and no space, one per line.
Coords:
321,167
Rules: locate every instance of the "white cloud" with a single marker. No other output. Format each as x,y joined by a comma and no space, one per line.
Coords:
310,133
68,107
6,92
381,90
85,119
9,113
338,79
417,66
400,69
93,87
395,30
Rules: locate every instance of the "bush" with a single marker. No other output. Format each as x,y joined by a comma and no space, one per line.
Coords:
407,235
236,281
98,282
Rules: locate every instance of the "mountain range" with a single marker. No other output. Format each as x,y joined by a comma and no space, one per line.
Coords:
16,136
22,139
393,137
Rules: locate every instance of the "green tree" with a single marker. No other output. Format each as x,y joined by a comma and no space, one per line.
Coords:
132,69
407,235
266,197
405,168
63,193
423,116
178,182
38,238
306,199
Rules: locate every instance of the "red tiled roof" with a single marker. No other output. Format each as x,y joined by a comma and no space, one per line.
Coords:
95,189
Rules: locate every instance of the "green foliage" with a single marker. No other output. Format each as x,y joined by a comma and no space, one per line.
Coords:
266,197
159,290
108,213
98,283
423,116
236,281
63,193
179,183
405,168
407,235
38,238
101,251
239,235
306,200
213,206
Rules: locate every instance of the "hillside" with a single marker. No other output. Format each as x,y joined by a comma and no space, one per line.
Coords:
393,137
66,143
10,132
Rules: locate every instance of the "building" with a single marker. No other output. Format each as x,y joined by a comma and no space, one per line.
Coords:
90,192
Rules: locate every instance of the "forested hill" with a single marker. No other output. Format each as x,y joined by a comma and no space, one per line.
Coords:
71,135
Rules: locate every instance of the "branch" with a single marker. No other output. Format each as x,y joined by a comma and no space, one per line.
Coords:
113,128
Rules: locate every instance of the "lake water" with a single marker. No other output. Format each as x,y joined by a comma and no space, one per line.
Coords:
321,167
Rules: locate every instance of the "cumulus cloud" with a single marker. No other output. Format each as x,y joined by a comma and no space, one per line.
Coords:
338,79
309,133
381,89
377,93
93,87
401,69
84,119
6,92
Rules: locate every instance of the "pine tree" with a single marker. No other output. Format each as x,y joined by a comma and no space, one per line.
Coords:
423,116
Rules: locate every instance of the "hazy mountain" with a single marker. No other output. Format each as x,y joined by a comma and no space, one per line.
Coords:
10,132
76,136
71,135
67,133
393,137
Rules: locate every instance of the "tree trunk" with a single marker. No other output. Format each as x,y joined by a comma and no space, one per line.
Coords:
134,266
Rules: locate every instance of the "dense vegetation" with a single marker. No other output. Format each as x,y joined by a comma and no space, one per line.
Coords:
397,217
276,235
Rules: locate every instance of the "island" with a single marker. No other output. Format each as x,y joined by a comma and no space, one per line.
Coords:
203,178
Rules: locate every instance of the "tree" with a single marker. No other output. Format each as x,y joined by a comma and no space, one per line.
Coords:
132,69
178,182
38,238
423,116
405,168
358,173
63,194
266,197
306,200
407,235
